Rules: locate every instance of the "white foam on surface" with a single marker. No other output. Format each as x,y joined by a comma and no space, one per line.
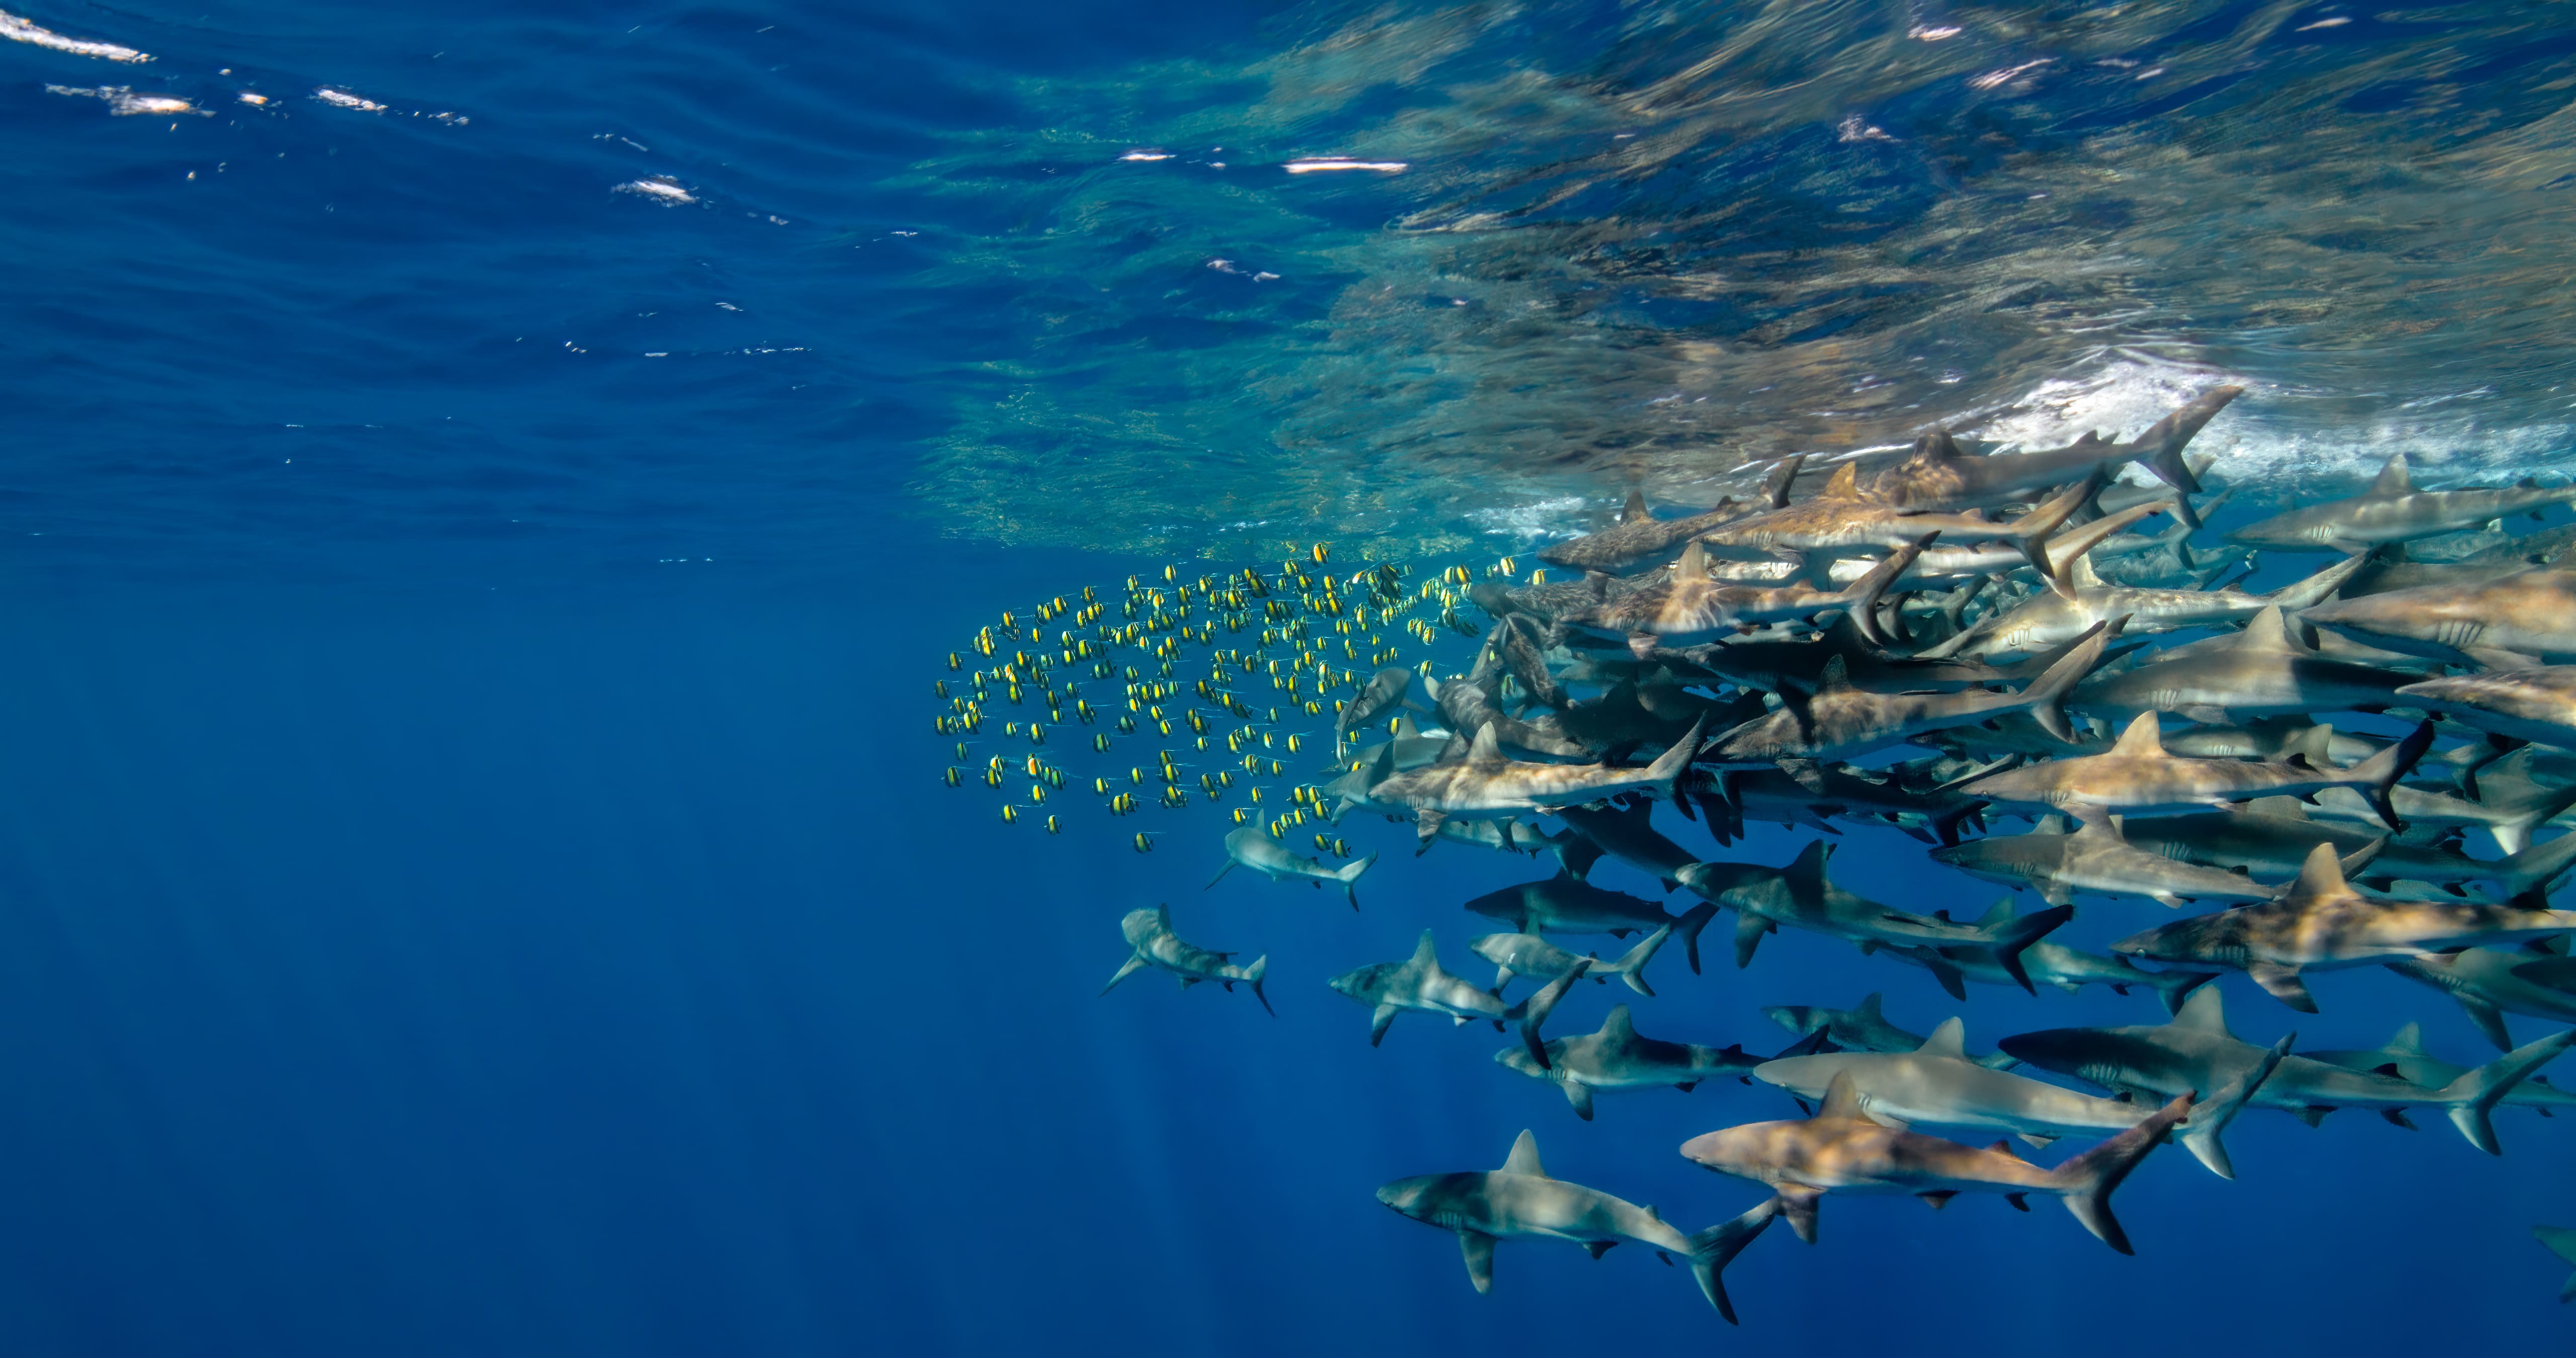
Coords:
664,190
16,29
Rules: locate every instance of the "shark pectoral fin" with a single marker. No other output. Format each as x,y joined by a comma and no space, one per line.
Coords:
1478,1247
2489,1020
1749,929
2020,1201
2396,1117
1950,977
1580,1095
1597,1248
2283,984
1938,1198
1378,1022
2203,713
1798,1203
1687,1086
2036,1141
1426,827
1220,874
1135,963
2312,1114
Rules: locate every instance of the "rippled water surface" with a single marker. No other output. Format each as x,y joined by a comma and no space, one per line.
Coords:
487,488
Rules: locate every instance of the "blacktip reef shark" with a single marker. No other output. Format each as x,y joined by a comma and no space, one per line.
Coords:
1938,475
2490,983
1486,786
2051,617
1839,521
1388,689
1521,1201
2403,1056
1419,984
1937,1084
1149,934
2196,1051
2262,671
2136,777
1689,607
2528,704
2320,922
1566,904
1863,1027
1531,955
1840,721
1803,897
2521,619
1252,847
1618,1057
1840,1150
2393,510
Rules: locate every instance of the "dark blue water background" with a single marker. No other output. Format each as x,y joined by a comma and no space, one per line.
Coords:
472,872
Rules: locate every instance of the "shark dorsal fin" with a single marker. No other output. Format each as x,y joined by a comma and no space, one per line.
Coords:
1842,1099
1635,510
2267,631
2315,744
1694,563
1487,749
1868,1006
1997,913
1617,1026
2409,1041
1425,953
2204,1012
1834,677
1844,484
2393,478
2143,739
1406,730
1807,870
2320,878
1524,1157
2279,806
1950,1039
2081,575
2092,439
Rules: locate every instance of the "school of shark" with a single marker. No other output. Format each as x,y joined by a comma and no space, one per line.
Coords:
1999,653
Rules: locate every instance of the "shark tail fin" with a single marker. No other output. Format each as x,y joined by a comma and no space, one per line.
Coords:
2535,867
2031,531
2085,1182
2317,588
1632,966
2008,939
2171,433
2064,550
1252,975
2382,770
2473,1097
1349,876
1713,1249
2200,1135
2514,835
1689,925
1669,766
1861,599
2173,987
2046,695
1533,1011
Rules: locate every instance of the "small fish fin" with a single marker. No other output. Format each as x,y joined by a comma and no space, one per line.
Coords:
2283,984
1524,1156
1950,1039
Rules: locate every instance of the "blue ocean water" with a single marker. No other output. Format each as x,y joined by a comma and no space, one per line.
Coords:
481,523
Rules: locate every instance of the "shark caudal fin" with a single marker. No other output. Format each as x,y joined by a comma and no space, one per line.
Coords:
1713,1249
1631,966
2008,939
2046,696
1349,876
2064,550
2380,772
2173,987
1688,926
2208,1122
1533,1012
1669,766
1252,976
2473,1097
2560,1241
2317,588
2169,435
2513,835
2030,532
1860,601
2084,1183
2529,873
